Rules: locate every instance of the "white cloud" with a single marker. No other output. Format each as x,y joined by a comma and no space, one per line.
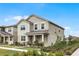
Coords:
71,31
67,28
15,18
74,33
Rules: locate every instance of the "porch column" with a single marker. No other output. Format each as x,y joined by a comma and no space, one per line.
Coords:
4,39
27,38
42,37
8,40
34,38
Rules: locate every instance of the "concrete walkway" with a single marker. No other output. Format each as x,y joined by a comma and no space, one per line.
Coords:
14,49
76,53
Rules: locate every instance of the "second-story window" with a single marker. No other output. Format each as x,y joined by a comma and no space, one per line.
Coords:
36,27
22,27
42,26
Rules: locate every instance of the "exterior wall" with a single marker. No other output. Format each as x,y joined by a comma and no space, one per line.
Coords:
13,32
10,42
53,33
23,32
35,20
11,28
52,37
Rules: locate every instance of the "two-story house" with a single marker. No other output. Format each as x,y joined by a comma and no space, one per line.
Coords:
31,29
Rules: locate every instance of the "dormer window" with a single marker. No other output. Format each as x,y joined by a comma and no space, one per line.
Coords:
42,26
22,27
36,27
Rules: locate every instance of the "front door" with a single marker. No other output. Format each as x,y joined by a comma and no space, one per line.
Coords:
31,39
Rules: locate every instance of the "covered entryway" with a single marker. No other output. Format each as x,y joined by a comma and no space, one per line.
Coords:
40,37
5,37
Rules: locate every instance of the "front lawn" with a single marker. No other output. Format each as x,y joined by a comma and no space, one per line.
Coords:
4,52
20,47
29,48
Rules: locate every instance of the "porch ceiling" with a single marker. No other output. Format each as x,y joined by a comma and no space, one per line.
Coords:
37,32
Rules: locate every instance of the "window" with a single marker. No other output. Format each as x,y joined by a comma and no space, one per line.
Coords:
9,30
59,30
42,26
22,27
23,38
35,26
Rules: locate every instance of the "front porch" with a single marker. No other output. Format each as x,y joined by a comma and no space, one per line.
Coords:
38,37
6,38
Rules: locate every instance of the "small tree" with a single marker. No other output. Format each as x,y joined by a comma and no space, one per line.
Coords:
70,39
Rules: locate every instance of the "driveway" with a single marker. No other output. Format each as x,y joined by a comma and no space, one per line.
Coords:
76,53
14,49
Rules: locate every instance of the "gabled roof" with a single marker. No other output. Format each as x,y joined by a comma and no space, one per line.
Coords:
8,26
22,20
32,23
44,20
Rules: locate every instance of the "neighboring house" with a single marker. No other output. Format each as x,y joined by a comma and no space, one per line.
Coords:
31,29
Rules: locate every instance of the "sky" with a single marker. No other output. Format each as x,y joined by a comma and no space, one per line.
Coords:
63,14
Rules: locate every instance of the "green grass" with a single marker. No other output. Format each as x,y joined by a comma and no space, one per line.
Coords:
9,46
20,47
63,47
4,52
29,48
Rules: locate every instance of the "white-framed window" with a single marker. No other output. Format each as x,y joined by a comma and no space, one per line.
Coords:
35,26
22,27
42,26
23,38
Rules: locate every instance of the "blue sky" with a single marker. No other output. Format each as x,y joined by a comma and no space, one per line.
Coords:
65,15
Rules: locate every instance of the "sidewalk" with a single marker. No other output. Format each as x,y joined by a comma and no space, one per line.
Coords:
14,49
76,53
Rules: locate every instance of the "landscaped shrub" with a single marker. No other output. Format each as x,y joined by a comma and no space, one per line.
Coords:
59,49
36,53
23,54
29,53
51,54
36,43
18,44
30,43
16,54
57,53
43,53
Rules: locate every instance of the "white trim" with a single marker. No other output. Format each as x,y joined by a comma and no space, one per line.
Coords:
42,37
